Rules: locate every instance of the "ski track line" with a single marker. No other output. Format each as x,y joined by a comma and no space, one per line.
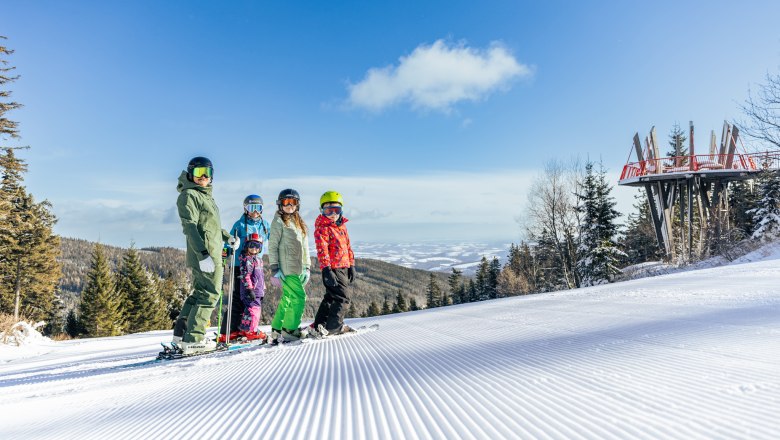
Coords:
486,411
651,387
453,387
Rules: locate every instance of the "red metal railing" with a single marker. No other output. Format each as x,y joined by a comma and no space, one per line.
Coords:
702,162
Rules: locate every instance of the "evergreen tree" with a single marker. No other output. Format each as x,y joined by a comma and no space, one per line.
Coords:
446,300
172,293
73,326
413,305
598,254
473,293
433,293
8,128
742,198
100,308
483,280
400,303
494,270
29,270
551,275
455,283
351,312
766,215
386,307
677,146
55,322
373,309
640,241
145,308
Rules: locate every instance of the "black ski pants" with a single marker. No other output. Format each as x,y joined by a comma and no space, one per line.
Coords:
335,303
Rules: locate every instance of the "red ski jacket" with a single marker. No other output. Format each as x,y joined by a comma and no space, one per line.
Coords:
332,241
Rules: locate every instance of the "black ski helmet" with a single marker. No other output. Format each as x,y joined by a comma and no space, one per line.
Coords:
253,199
287,194
199,161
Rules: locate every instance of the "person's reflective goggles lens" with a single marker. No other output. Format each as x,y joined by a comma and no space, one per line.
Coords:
254,245
254,207
202,171
289,202
331,210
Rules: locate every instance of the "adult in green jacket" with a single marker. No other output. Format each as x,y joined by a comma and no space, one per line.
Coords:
289,262
205,238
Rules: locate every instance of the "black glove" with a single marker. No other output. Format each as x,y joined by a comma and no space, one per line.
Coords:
328,277
351,274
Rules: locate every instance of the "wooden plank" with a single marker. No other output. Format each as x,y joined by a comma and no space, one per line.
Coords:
732,147
638,147
658,224
656,153
691,153
724,141
713,143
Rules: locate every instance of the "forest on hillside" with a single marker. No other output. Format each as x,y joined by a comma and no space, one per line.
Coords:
376,280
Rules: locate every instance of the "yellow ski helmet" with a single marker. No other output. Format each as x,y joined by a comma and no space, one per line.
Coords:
331,197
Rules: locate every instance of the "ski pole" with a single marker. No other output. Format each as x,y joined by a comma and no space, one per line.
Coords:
232,276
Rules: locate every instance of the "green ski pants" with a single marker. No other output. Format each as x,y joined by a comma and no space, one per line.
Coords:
197,308
288,314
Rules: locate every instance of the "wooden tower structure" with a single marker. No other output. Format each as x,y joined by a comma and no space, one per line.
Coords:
703,176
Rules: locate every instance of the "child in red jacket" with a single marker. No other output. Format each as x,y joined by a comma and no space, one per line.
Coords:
337,262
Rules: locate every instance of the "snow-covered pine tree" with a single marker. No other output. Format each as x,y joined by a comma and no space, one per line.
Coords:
100,308
400,305
743,197
494,270
766,215
413,305
433,292
373,309
472,291
144,307
482,278
386,307
639,240
598,253
677,146
455,283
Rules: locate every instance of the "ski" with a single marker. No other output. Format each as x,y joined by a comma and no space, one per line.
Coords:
171,352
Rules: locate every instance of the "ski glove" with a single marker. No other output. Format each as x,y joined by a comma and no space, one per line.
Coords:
328,277
234,242
305,277
351,274
277,279
207,265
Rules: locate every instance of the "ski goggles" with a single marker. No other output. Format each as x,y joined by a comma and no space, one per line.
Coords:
330,210
289,202
202,171
254,207
254,245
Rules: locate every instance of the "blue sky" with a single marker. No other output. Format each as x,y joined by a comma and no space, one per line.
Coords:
431,117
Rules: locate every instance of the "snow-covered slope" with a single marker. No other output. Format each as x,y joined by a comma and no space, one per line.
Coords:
689,355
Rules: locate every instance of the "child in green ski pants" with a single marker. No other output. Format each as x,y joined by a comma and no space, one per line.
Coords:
288,258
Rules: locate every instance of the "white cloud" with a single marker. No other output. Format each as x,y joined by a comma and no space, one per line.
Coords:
437,77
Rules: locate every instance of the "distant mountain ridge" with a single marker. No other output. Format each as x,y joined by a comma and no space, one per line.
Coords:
376,279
